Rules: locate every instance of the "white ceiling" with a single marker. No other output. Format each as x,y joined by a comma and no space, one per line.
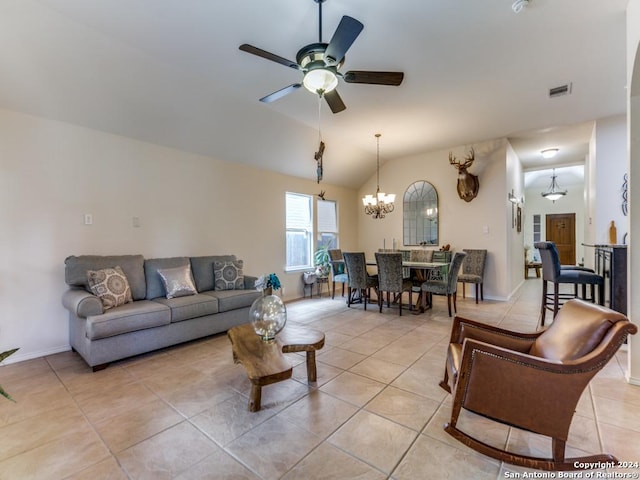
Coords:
170,72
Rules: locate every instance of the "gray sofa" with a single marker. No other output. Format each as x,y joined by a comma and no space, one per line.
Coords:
151,321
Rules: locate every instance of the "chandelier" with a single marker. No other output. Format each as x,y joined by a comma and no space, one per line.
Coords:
554,192
381,203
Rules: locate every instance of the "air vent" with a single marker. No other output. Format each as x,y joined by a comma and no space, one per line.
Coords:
559,91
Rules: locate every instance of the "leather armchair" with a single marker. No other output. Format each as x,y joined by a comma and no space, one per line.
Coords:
531,381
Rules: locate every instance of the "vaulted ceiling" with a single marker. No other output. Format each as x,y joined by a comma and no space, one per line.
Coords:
170,72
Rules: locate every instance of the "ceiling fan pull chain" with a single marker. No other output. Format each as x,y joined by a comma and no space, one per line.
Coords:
319,118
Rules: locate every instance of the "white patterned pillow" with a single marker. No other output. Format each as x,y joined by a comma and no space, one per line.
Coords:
178,281
228,275
110,285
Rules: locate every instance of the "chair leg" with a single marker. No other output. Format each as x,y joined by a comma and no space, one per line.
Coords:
380,302
455,306
464,284
543,310
444,384
365,295
449,303
343,289
558,449
601,294
482,292
333,292
477,288
556,302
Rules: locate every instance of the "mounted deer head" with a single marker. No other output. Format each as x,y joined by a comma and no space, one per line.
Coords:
468,183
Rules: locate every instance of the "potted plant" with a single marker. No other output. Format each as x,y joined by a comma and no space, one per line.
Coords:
4,355
322,261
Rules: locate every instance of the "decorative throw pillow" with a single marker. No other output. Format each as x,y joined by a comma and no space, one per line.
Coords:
110,285
228,275
178,281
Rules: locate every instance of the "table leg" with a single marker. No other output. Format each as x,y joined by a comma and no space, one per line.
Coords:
312,373
255,398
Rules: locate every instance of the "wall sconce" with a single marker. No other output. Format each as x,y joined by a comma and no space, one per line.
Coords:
515,200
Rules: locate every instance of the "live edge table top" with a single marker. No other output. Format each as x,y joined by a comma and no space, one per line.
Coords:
265,362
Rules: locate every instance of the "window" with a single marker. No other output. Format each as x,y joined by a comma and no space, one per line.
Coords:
299,231
327,224
536,228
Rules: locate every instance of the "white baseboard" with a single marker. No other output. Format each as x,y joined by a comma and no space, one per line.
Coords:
633,380
18,357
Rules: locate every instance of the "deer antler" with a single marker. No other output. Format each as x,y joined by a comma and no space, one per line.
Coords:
463,166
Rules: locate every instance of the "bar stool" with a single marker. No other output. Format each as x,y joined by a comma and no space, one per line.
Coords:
553,272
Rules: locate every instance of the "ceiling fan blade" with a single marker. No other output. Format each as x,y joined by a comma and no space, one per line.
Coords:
374,78
334,101
280,93
344,36
269,56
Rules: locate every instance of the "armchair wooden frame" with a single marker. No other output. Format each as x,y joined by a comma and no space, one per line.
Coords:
498,379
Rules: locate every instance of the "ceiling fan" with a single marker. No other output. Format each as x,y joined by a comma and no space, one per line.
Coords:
320,62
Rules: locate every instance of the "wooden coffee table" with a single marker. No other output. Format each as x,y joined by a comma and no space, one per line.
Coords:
265,362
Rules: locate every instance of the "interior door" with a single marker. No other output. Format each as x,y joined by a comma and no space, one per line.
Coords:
561,230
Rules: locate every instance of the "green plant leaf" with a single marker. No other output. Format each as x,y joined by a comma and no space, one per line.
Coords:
5,394
4,355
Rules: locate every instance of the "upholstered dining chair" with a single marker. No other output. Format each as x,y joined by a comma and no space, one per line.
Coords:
360,282
391,279
531,381
473,271
552,272
338,270
446,286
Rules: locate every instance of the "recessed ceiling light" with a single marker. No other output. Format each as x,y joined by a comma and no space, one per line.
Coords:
549,152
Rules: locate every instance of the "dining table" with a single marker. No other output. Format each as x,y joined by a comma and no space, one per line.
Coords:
424,268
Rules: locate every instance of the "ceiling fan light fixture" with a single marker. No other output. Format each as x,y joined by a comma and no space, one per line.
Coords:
549,152
320,80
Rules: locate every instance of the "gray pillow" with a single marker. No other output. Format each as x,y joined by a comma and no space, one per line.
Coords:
178,281
110,285
229,275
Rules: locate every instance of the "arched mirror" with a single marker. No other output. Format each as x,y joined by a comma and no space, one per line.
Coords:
420,214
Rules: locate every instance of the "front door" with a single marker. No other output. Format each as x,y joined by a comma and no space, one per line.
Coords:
561,230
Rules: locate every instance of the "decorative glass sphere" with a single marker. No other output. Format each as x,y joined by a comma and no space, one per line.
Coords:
268,316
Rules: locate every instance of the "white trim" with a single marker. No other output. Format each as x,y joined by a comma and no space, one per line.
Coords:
16,357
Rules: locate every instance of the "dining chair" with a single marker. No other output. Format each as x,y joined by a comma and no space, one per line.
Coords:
338,270
473,271
554,273
446,286
360,282
391,279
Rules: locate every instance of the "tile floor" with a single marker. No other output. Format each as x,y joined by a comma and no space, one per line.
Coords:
376,411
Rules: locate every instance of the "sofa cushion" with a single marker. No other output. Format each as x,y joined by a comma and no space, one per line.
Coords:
229,275
155,287
202,269
128,318
193,306
177,281
110,285
234,299
76,268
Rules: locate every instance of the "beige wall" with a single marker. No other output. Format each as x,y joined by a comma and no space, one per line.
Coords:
514,240
633,115
52,173
462,224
